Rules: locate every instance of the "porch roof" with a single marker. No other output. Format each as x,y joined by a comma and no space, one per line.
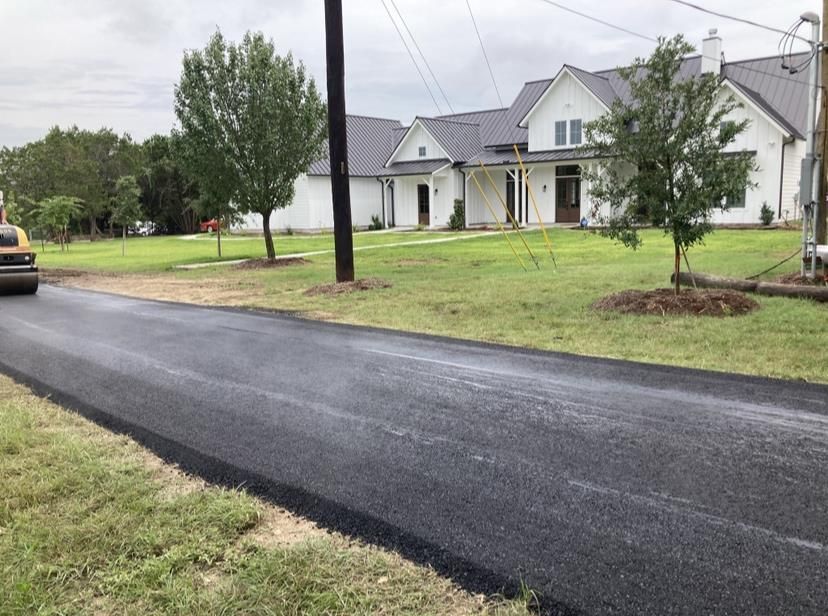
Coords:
493,158
414,167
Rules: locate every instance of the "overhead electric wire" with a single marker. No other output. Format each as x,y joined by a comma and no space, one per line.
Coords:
600,21
422,55
485,55
732,18
411,55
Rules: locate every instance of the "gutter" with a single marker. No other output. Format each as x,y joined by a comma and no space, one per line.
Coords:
786,141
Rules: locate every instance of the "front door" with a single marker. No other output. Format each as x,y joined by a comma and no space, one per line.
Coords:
515,209
568,193
422,204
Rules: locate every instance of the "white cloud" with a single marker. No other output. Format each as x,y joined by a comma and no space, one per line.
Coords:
100,63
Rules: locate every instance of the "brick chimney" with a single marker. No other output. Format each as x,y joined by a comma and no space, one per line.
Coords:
711,61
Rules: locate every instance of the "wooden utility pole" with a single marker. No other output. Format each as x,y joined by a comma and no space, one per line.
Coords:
340,188
822,140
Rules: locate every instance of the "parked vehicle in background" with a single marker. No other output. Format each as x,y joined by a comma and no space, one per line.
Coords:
143,229
209,226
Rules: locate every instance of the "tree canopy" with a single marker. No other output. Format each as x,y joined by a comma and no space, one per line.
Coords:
251,122
661,152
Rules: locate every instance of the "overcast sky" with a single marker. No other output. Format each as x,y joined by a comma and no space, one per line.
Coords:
115,63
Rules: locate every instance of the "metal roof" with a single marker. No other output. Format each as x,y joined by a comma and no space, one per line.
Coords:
494,158
414,167
599,85
369,144
460,140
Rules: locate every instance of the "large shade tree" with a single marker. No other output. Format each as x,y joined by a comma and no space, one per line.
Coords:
251,122
662,152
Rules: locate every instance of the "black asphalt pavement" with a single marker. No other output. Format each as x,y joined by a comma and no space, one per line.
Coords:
609,487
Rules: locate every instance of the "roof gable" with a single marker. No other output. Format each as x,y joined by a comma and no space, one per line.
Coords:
594,84
761,106
417,123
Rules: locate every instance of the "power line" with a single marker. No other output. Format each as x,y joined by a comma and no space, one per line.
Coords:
422,55
485,56
732,18
600,21
411,55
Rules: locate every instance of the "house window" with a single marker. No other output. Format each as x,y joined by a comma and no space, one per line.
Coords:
422,151
560,133
735,201
725,124
574,132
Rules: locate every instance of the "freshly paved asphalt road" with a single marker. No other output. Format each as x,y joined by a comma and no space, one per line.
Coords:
610,487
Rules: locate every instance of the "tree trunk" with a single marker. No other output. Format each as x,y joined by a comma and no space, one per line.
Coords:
677,268
123,241
271,251
92,228
218,235
773,289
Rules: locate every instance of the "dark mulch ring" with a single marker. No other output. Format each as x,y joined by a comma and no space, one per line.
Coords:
339,288
795,278
265,263
661,302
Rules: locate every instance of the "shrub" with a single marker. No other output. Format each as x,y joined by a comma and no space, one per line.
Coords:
457,220
766,214
376,223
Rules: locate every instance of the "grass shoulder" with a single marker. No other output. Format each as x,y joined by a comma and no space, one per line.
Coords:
92,523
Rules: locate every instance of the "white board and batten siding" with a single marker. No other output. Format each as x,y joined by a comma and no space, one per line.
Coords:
312,206
766,139
789,205
567,99
415,138
449,186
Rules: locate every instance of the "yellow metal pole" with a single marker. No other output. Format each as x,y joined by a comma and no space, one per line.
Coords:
494,215
534,202
509,214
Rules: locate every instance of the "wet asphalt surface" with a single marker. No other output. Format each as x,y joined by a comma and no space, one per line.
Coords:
609,487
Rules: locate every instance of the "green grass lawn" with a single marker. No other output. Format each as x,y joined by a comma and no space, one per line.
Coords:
92,524
475,289
156,254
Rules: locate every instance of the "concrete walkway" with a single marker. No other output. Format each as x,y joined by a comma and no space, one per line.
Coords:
299,255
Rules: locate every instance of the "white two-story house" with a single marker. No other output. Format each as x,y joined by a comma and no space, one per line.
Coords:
413,175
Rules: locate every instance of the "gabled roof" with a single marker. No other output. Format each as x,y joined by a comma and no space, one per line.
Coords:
369,143
415,167
460,140
596,85
764,107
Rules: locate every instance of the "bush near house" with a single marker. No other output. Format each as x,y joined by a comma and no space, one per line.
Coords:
457,220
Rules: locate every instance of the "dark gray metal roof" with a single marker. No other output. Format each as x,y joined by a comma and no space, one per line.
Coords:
599,85
494,158
460,140
489,121
785,96
760,102
369,145
414,167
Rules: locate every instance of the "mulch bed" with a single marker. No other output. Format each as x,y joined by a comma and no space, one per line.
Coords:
795,278
661,302
340,288
265,263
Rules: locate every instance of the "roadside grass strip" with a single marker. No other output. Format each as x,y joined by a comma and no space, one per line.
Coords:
90,522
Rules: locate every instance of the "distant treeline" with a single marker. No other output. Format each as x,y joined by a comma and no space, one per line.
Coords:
86,166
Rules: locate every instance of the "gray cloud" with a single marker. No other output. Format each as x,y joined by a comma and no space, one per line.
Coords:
97,62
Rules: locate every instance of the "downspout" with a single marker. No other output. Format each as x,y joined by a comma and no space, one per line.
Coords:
382,188
785,142
465,216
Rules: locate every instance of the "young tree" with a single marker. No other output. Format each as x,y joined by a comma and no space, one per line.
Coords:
126,209
55,214
251,123
662,159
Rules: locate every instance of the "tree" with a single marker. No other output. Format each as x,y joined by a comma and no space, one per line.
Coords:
661,153
168,192
251,123
55,214
126,208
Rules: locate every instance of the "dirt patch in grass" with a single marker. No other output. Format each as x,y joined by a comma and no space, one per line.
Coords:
265,263
340,288
661,302
219,291
796,279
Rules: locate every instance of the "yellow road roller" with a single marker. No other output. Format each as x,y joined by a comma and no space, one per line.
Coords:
18,272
